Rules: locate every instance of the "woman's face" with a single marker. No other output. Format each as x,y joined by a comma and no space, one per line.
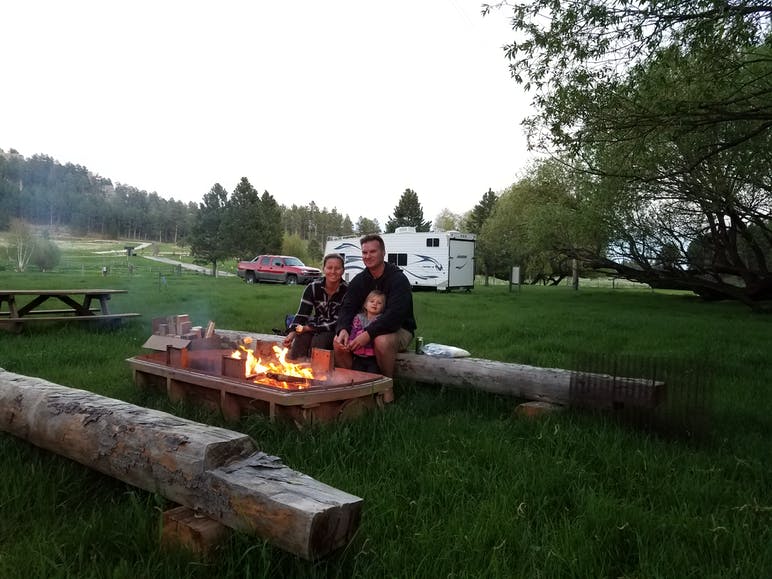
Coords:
333,270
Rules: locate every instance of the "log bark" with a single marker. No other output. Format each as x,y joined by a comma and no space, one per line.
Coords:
552,385
518,380
216,471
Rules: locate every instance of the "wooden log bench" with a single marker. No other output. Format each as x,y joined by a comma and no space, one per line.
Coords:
214,471
549,385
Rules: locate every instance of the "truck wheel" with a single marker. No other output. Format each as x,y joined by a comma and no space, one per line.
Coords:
249,277
292,279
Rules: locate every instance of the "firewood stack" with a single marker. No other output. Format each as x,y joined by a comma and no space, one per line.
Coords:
178,331
178,326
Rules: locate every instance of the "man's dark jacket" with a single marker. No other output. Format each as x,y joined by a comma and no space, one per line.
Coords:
398,312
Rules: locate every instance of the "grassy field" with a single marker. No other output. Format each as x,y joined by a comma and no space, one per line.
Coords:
455,485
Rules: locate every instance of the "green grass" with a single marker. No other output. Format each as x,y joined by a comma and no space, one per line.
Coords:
454,483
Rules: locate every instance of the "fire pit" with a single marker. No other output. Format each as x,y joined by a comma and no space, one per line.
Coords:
259,379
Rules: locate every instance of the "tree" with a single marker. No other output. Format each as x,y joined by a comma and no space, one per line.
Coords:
481,212
269,224
46,255
22,244
668,188
669,105
408,213
582,50
365,226
208,239
244,231
538,223
446,220
293,245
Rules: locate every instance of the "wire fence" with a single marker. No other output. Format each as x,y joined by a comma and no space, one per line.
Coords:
666,396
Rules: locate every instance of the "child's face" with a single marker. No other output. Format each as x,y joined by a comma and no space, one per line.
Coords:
374,305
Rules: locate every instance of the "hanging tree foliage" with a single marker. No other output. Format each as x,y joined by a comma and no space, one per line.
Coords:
669,105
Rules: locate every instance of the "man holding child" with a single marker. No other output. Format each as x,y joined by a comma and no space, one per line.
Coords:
393,329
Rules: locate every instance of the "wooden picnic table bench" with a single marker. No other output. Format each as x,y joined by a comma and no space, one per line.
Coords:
81,304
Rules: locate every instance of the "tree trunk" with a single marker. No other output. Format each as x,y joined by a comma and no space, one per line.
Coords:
575,274
216,471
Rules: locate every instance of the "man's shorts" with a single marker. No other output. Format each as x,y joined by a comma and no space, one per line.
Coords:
404,338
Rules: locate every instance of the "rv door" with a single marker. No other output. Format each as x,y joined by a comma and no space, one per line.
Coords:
461,263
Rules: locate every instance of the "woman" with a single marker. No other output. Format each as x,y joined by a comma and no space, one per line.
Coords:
323,298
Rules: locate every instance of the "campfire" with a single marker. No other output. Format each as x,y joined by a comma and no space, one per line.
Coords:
242,375
277,372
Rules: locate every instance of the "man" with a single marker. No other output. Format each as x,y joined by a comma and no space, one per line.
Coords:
393,330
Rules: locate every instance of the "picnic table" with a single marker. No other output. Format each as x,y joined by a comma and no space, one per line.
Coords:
73,304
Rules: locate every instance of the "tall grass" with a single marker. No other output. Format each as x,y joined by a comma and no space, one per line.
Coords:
454,483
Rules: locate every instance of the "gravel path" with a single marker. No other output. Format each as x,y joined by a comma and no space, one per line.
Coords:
190,266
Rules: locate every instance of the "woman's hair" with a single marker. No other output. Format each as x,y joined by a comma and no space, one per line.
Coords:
333,256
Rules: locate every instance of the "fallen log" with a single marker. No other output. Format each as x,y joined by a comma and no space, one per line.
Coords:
215,471
553,385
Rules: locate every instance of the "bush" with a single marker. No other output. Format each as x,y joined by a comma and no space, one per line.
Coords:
46,255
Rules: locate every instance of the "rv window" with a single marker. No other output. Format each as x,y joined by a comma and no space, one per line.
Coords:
432,242
397,258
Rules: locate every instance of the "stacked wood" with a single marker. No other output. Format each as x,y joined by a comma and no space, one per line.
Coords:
215,471
179,332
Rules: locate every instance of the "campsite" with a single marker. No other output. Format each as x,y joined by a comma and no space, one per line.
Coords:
454,481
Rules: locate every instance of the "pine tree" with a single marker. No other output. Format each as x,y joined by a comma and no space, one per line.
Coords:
481,212
244,235
408,213
207,243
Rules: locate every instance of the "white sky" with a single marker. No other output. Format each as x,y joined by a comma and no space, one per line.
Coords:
344,103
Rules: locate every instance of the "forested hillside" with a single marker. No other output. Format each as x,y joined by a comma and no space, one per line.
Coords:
41,191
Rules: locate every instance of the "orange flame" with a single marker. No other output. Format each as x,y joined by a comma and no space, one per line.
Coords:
253,366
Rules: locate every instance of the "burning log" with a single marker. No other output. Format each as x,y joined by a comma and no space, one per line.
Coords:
286,377
215,471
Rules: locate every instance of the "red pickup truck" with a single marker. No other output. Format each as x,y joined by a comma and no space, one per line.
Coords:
277,269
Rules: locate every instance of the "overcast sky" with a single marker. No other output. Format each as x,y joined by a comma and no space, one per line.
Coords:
344,103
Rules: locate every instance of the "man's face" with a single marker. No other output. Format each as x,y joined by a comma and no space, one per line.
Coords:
372,254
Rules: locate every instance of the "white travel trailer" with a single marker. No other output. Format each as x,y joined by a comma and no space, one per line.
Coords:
441,260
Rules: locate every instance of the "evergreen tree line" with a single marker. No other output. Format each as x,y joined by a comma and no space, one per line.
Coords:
246,223
42,191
